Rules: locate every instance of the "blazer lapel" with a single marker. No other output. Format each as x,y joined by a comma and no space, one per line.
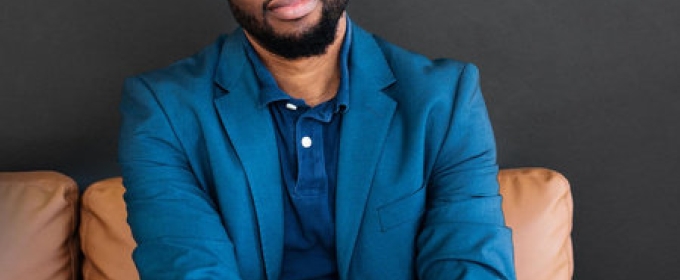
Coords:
364,129
251,131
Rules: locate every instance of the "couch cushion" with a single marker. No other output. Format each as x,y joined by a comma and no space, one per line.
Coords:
37,226
106,239
537,204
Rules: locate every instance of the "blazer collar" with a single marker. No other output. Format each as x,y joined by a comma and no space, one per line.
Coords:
232,61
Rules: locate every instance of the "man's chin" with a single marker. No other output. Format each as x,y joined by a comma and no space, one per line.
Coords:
293,28
287,10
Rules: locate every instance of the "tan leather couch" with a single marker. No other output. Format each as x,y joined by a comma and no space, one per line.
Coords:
49,231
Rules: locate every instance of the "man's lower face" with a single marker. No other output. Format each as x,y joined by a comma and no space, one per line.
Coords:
290,28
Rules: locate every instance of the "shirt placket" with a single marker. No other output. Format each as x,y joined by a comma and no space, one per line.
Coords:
311,165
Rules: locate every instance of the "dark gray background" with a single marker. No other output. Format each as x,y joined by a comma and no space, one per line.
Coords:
586,87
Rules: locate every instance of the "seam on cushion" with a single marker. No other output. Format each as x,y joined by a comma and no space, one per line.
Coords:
83,228
85,221
569,258
566,201
85,225
72,196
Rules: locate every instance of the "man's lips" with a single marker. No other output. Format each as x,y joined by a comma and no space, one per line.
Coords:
291,9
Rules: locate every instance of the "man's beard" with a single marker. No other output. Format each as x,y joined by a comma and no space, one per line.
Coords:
311,42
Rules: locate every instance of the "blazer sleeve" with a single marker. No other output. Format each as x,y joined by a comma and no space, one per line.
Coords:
464,234
178,230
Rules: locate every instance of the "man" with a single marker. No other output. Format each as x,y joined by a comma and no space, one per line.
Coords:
302,147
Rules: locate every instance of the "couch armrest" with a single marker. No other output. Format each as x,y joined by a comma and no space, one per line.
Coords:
538,206
38,220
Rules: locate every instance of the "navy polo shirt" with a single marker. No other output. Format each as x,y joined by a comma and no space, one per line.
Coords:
308,142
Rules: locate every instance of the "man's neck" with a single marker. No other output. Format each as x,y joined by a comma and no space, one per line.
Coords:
313,79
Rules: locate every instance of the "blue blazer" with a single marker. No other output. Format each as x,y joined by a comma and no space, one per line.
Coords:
417,194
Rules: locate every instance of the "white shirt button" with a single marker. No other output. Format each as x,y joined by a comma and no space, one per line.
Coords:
306,142
291,106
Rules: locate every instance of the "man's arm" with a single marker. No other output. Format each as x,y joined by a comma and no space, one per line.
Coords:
464,234
175,223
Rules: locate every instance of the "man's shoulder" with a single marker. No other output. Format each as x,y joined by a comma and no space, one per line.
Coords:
192,71
402,59
421,79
